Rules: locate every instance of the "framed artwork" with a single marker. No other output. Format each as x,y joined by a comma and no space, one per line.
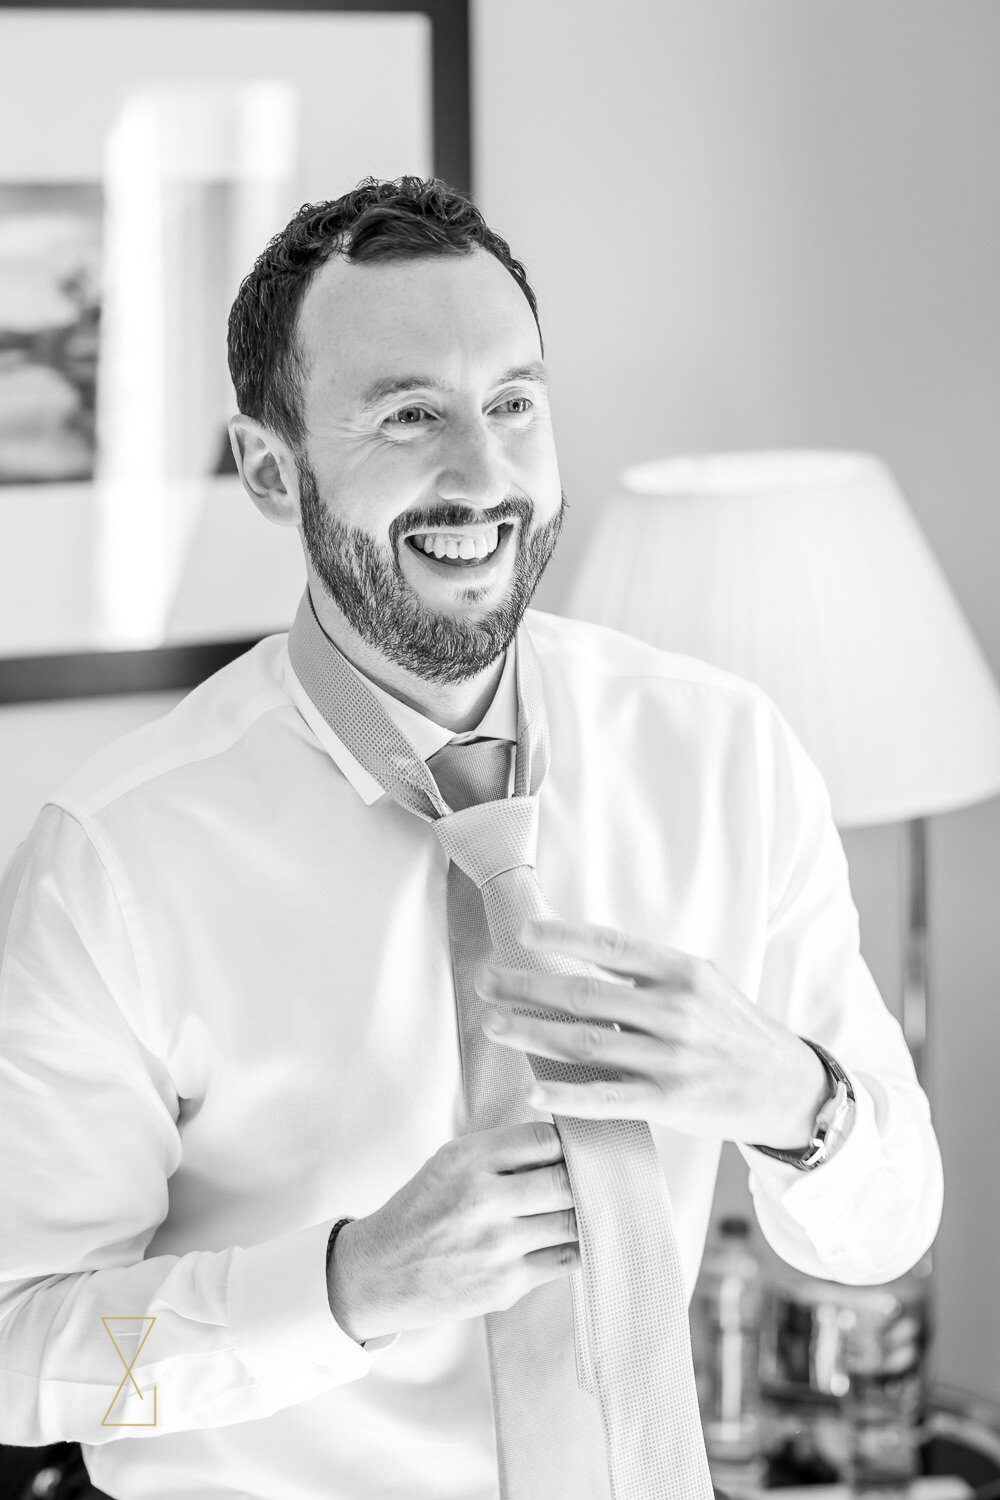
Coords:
50,236
147,153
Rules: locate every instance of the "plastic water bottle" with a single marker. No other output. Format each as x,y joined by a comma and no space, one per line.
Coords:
726,1342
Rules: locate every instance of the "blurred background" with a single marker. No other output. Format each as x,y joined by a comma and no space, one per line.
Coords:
777,225
772,225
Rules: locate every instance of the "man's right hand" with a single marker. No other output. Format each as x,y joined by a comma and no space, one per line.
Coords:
489,1217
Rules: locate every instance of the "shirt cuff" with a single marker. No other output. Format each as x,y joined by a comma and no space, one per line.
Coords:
279,1312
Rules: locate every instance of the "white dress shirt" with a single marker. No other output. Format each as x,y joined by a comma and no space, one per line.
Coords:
227,1019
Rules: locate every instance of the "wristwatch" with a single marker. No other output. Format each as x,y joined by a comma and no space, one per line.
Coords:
833,1122
372,1345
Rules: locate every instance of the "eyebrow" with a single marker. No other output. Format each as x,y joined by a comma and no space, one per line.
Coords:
383,390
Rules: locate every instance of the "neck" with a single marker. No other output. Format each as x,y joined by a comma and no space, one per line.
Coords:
457,706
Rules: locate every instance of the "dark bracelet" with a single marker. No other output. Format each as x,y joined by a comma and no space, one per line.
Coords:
384,1341
329,1244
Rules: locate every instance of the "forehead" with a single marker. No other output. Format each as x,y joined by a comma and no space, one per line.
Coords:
455,314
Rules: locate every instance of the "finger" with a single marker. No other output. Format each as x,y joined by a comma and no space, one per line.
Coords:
611,949
577,995
586,1044
552,1262
511,1148
543,1190
624,1099
543,1230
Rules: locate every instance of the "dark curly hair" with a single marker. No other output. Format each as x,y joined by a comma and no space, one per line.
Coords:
377,220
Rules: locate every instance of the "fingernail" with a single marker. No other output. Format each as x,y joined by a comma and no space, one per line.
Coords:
537,1097
495,1021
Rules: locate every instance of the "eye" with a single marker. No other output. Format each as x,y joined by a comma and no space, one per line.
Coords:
518,406
407,416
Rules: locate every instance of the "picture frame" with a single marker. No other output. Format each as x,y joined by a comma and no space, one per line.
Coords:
36,666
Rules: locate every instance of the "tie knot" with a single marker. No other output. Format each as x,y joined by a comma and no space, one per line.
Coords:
475,771
491,837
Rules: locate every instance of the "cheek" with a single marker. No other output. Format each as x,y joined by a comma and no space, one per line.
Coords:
370,493
536,461
402,468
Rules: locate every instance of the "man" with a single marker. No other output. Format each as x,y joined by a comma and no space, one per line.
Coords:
258,1084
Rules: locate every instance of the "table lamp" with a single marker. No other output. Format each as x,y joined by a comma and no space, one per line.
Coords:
807,573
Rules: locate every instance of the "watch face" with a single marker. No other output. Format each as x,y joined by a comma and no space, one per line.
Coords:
840,1126
831,1109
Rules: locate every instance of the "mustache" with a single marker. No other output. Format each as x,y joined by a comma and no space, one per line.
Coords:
449,517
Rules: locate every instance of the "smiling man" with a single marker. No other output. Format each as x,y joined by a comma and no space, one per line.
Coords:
404,1179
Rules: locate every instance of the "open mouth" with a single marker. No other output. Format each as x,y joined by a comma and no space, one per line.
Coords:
473,548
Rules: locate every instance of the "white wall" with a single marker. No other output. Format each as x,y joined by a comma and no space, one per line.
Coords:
778,224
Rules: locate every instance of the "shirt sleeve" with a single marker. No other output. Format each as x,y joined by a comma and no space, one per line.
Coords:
89,1139
870,1212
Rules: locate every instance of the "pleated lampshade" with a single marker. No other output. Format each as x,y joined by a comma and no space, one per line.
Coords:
807,573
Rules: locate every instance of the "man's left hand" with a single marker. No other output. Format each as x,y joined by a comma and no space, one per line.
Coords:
691,1051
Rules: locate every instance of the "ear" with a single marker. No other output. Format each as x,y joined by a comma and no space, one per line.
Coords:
267,469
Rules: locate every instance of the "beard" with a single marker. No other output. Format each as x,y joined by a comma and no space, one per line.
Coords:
366,582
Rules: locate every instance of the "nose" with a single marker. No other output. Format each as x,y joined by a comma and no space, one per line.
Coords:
472,466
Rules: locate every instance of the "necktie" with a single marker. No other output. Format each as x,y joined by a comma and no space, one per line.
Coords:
622,1420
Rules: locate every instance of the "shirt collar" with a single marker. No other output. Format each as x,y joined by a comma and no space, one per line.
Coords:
427,737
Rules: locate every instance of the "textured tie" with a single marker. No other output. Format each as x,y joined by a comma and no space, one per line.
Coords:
550,1439
612,1411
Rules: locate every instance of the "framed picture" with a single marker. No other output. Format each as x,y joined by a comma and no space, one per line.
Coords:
146,156
50,238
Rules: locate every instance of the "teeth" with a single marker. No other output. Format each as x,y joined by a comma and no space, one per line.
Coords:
449,544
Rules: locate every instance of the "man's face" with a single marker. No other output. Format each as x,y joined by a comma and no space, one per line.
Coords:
427,433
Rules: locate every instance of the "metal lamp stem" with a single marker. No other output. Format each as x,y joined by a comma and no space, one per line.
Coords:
915,991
